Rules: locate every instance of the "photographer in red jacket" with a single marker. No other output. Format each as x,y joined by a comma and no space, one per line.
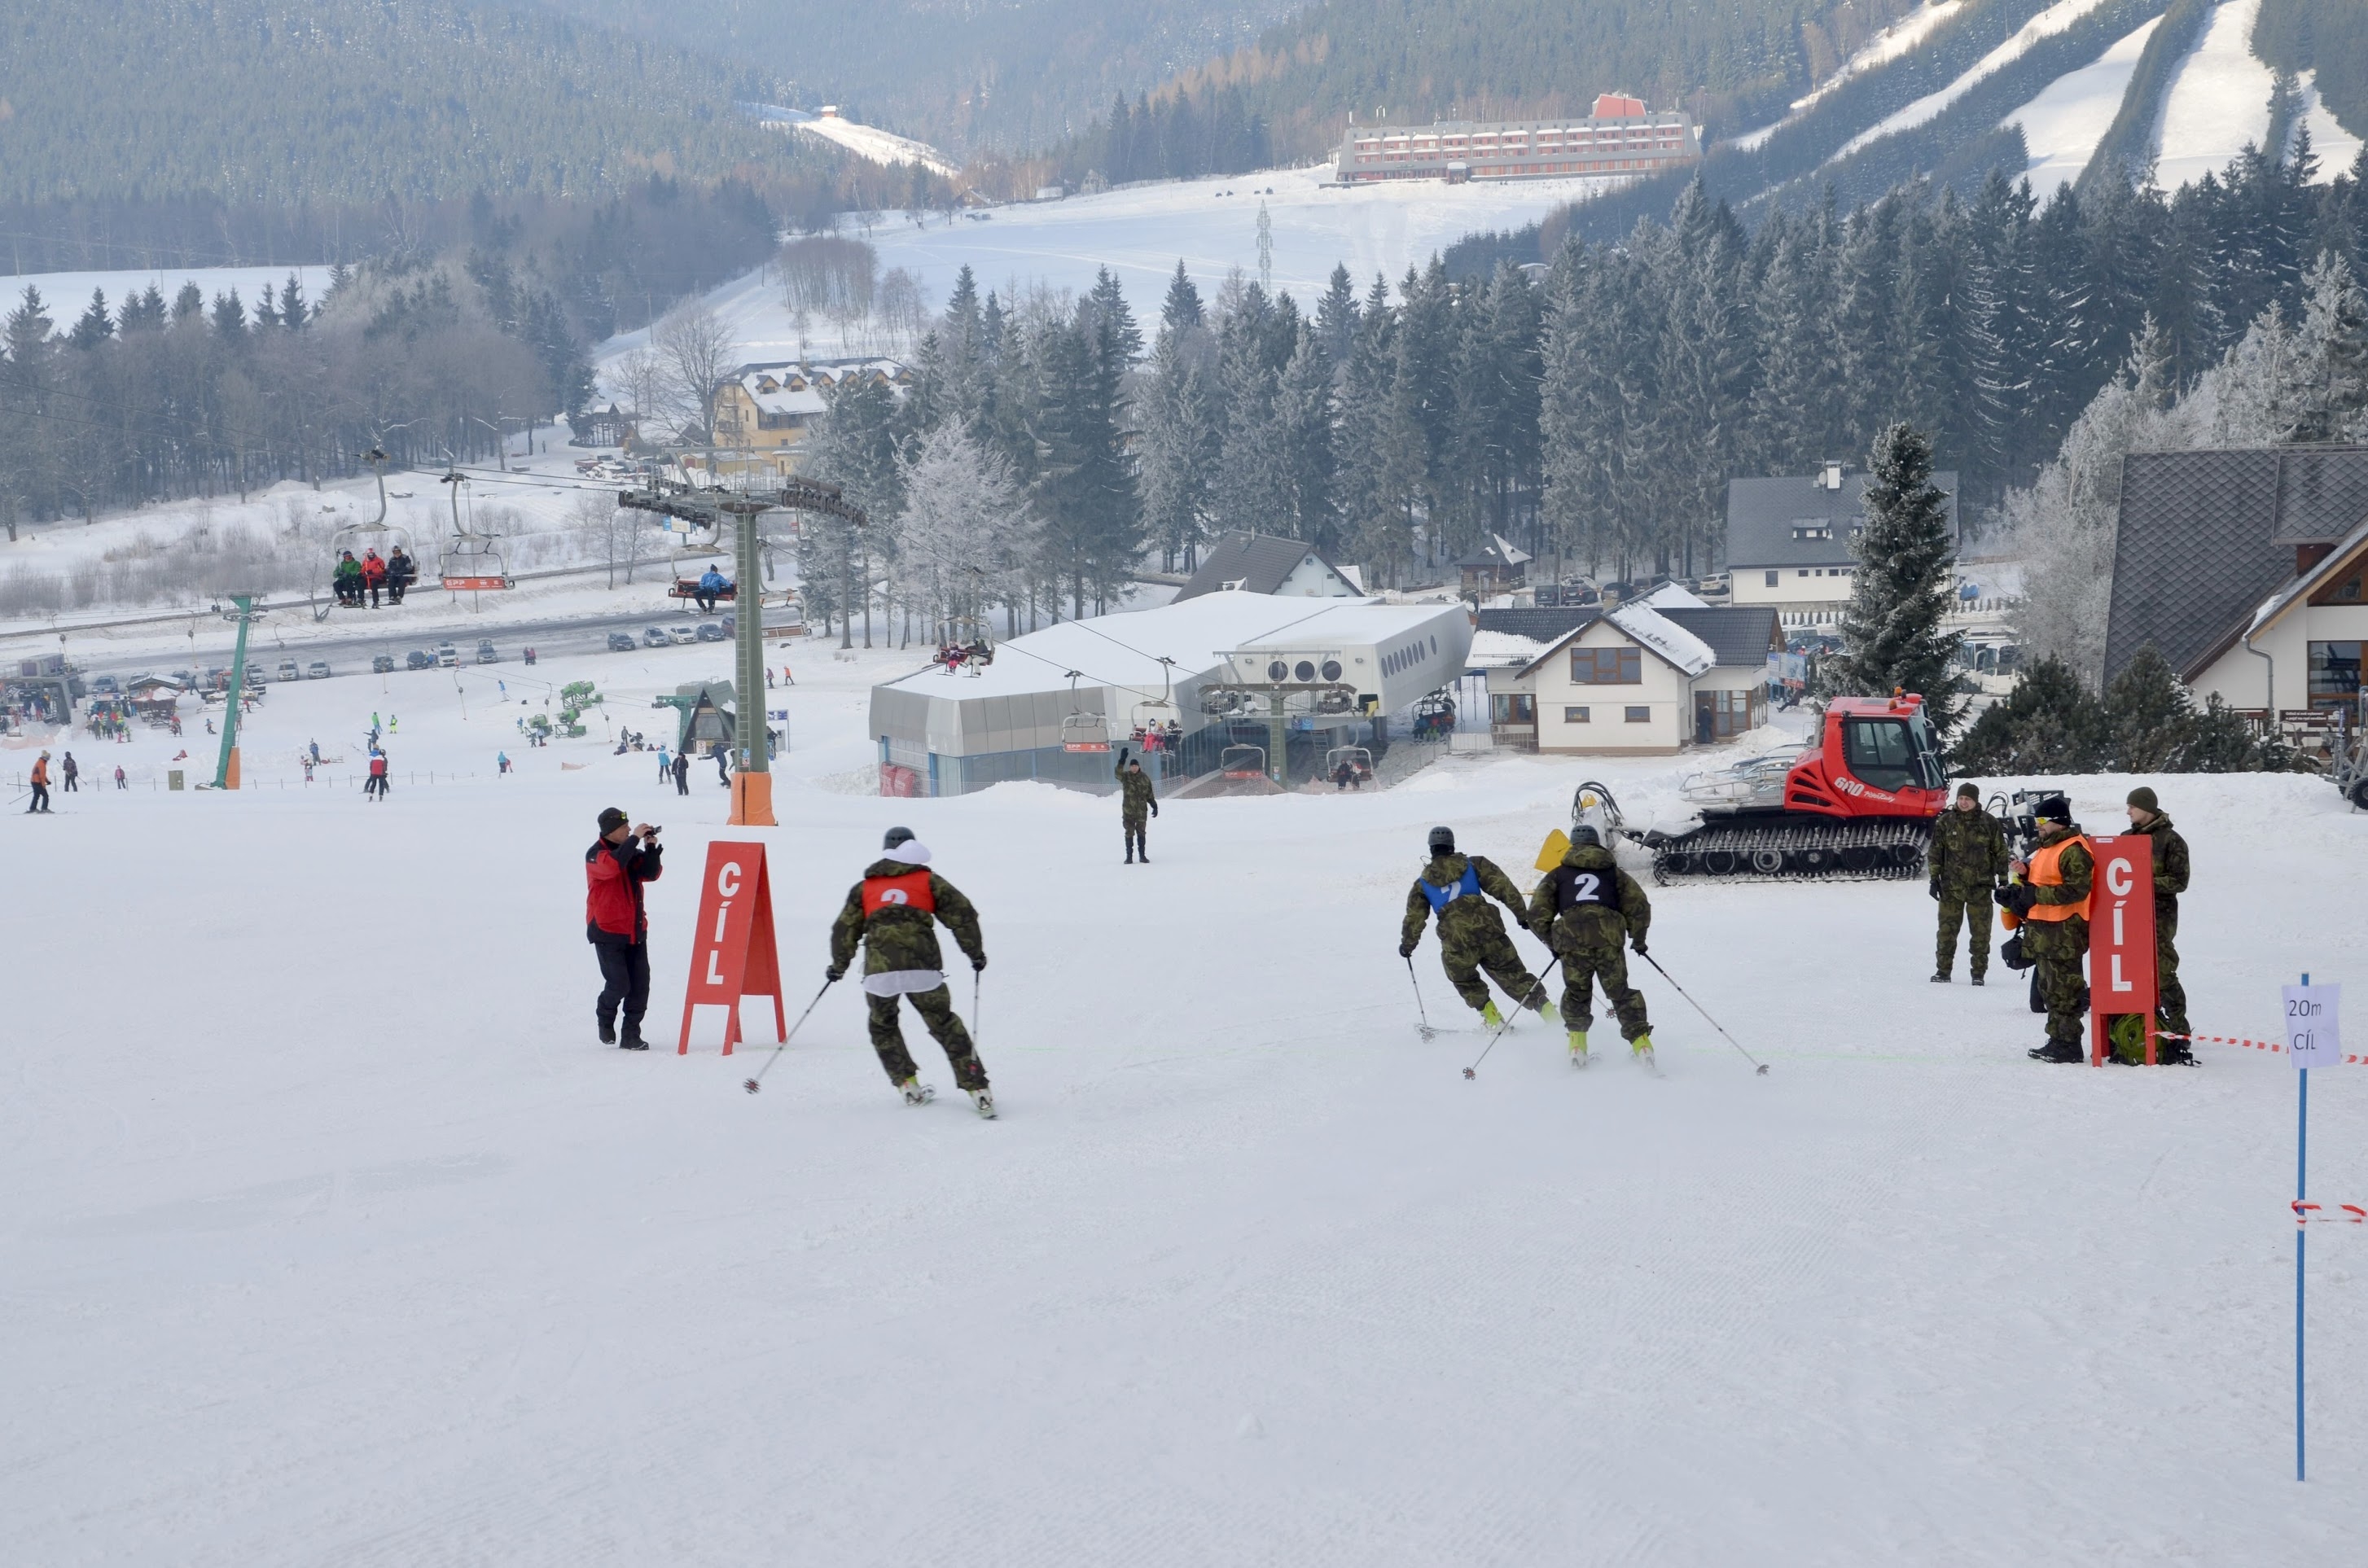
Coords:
618,862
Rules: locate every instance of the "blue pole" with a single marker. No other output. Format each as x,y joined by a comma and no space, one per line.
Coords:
2302,1239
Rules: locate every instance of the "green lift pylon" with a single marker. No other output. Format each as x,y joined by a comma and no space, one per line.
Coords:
226,769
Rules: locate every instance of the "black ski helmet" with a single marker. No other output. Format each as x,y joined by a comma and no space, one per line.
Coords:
895,836
1443,841
1584,834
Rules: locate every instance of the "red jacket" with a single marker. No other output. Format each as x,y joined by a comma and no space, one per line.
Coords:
613,875
373,568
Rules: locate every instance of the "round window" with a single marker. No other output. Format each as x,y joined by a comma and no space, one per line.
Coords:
1305,671
1331,669
1277,670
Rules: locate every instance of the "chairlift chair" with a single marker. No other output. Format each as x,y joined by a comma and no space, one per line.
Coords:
1081,731
1242,762
471,560
965,644
1358,759
358,540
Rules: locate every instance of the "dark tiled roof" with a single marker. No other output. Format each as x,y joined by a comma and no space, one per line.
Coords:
1737,634
1486,556
2202,538
1762,513
1258,562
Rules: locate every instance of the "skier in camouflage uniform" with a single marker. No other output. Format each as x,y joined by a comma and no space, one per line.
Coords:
2146,816
1584,910
1135,784
890,912
1967,859
2052,904
1471,933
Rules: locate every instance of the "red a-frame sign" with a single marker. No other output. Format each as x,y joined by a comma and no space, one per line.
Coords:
733,954
2121,938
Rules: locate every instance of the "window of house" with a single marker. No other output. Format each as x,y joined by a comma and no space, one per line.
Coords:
2334,673
1772,578
1638,715
1607,666
1512,707
1802,572
1576,716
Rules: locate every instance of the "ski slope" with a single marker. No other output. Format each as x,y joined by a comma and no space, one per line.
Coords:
2217,103
2047,24
333,1236
1894,41
2063,124
2336,147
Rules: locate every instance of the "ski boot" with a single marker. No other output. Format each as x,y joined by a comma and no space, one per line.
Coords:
1490,1016
915,1092
607,1032
1579,1048
633,1040
2059,1050
1940,977
982,1100
1978,981
1546,1011
1640,1049
2172,1053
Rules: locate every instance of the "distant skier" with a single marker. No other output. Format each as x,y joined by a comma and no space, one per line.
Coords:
379,781
620,861
72,770
682,773
1584,910
502,760
1471,933
1138,796
119,781
665,764
894,912
1966,860
723,764
40,785
316,751
2050,905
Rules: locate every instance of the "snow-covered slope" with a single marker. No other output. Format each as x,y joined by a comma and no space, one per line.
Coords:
2219,100
332,1235
2048,23
2063,124
2335,146
1890,45
867,142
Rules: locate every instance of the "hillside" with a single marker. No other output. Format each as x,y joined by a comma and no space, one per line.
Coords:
349,101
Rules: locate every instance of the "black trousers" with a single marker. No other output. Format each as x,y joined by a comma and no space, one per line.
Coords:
625,972
41,800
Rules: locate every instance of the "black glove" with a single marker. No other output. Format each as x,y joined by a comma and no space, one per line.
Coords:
2019,898
1405,950
1121,755
1154,808
1933,887
1639,945
978,963
834,973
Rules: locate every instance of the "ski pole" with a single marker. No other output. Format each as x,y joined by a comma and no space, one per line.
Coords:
1696,1006
1473,1070
753,1084
974,1009
1420,1011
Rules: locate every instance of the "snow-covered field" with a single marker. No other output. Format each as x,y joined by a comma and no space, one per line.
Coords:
2063,124
2047,24
2218,102
66,294
335,1237
1898,38
1141,232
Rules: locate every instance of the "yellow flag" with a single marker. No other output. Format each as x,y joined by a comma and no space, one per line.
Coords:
1556,845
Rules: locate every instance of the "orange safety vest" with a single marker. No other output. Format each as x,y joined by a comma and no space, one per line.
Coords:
2046,871
910,891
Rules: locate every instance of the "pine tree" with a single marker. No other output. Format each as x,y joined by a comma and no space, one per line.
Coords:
1108,302
1892,634
2151,716
1336,315
2048,723
94,326
1182,307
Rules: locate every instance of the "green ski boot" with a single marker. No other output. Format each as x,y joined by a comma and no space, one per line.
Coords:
1641,1048
1490,1016
1579,1048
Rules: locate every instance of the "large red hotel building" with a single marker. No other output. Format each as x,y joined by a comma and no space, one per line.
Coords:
1621,137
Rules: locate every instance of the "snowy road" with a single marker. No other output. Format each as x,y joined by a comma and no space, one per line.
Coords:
334,1237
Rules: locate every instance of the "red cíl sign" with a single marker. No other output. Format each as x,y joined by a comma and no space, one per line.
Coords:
733,954
2121,937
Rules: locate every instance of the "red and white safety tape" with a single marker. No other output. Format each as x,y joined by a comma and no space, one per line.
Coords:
2271,1045
2310,1214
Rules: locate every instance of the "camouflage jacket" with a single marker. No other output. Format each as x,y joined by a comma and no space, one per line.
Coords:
2169,861
1460,914
1135,785
1603,904
1969,850
903,938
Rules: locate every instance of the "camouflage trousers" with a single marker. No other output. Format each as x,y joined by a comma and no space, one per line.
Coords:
1973,908
1581,967
1132,823
1489,948
2170,996
2059,946
937,1010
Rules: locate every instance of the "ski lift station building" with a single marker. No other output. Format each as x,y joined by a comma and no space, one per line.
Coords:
1021,716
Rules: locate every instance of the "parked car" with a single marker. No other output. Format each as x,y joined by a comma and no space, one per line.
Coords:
656,637
382,664
488,653
620,643
318,670
711,632
1717,583
731,625
683,633
419,659
287,670
446,654
104,686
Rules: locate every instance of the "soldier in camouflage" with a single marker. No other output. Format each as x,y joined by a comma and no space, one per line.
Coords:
1585,910
893,913
1967,859
1137,798
2051,903
2146,816
1471,933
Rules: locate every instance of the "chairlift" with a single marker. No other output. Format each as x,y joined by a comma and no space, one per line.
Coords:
1218,702
1334,702
1434,717
358,541
966,646
1081,731
1242,762
473,560
1158,712
1358,761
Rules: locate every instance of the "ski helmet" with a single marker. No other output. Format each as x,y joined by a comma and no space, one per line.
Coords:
1584,834
895,836
1443,841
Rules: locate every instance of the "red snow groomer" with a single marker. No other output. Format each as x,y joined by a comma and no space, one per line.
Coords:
1856,803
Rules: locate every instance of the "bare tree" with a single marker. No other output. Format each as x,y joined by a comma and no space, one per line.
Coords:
695,349
640,378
